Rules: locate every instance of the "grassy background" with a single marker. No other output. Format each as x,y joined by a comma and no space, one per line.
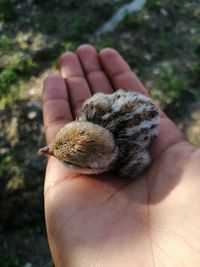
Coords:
161,44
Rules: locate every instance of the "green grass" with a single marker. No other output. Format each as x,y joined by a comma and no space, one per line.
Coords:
5,44
11,76
172,83
15,64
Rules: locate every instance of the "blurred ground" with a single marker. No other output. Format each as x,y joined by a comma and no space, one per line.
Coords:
162,45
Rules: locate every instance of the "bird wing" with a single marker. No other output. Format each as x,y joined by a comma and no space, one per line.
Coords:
96,108
124,114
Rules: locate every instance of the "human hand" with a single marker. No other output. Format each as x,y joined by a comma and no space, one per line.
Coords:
104,220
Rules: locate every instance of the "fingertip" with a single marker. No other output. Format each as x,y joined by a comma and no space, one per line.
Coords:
65,56
108,51
85,48
69,65
88,57
113,62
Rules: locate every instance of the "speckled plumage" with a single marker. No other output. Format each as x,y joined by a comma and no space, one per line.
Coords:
114,133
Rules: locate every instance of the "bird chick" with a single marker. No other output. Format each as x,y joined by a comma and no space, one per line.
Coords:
113,133
84,146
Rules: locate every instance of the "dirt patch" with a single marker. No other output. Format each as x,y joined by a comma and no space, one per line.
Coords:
21,197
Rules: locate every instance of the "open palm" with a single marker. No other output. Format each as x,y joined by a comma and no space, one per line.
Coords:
107,221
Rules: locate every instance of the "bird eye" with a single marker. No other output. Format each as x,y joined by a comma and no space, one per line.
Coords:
68,162
76,165
73,164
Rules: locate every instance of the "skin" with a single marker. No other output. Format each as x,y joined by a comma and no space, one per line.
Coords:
104,220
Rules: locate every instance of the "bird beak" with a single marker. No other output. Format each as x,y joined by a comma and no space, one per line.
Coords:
46,150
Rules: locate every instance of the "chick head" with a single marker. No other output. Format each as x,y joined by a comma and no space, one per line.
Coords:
84,147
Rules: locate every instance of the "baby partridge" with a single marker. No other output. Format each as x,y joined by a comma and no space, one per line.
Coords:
112,134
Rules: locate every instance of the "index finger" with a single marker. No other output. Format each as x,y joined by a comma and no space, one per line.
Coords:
56,108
